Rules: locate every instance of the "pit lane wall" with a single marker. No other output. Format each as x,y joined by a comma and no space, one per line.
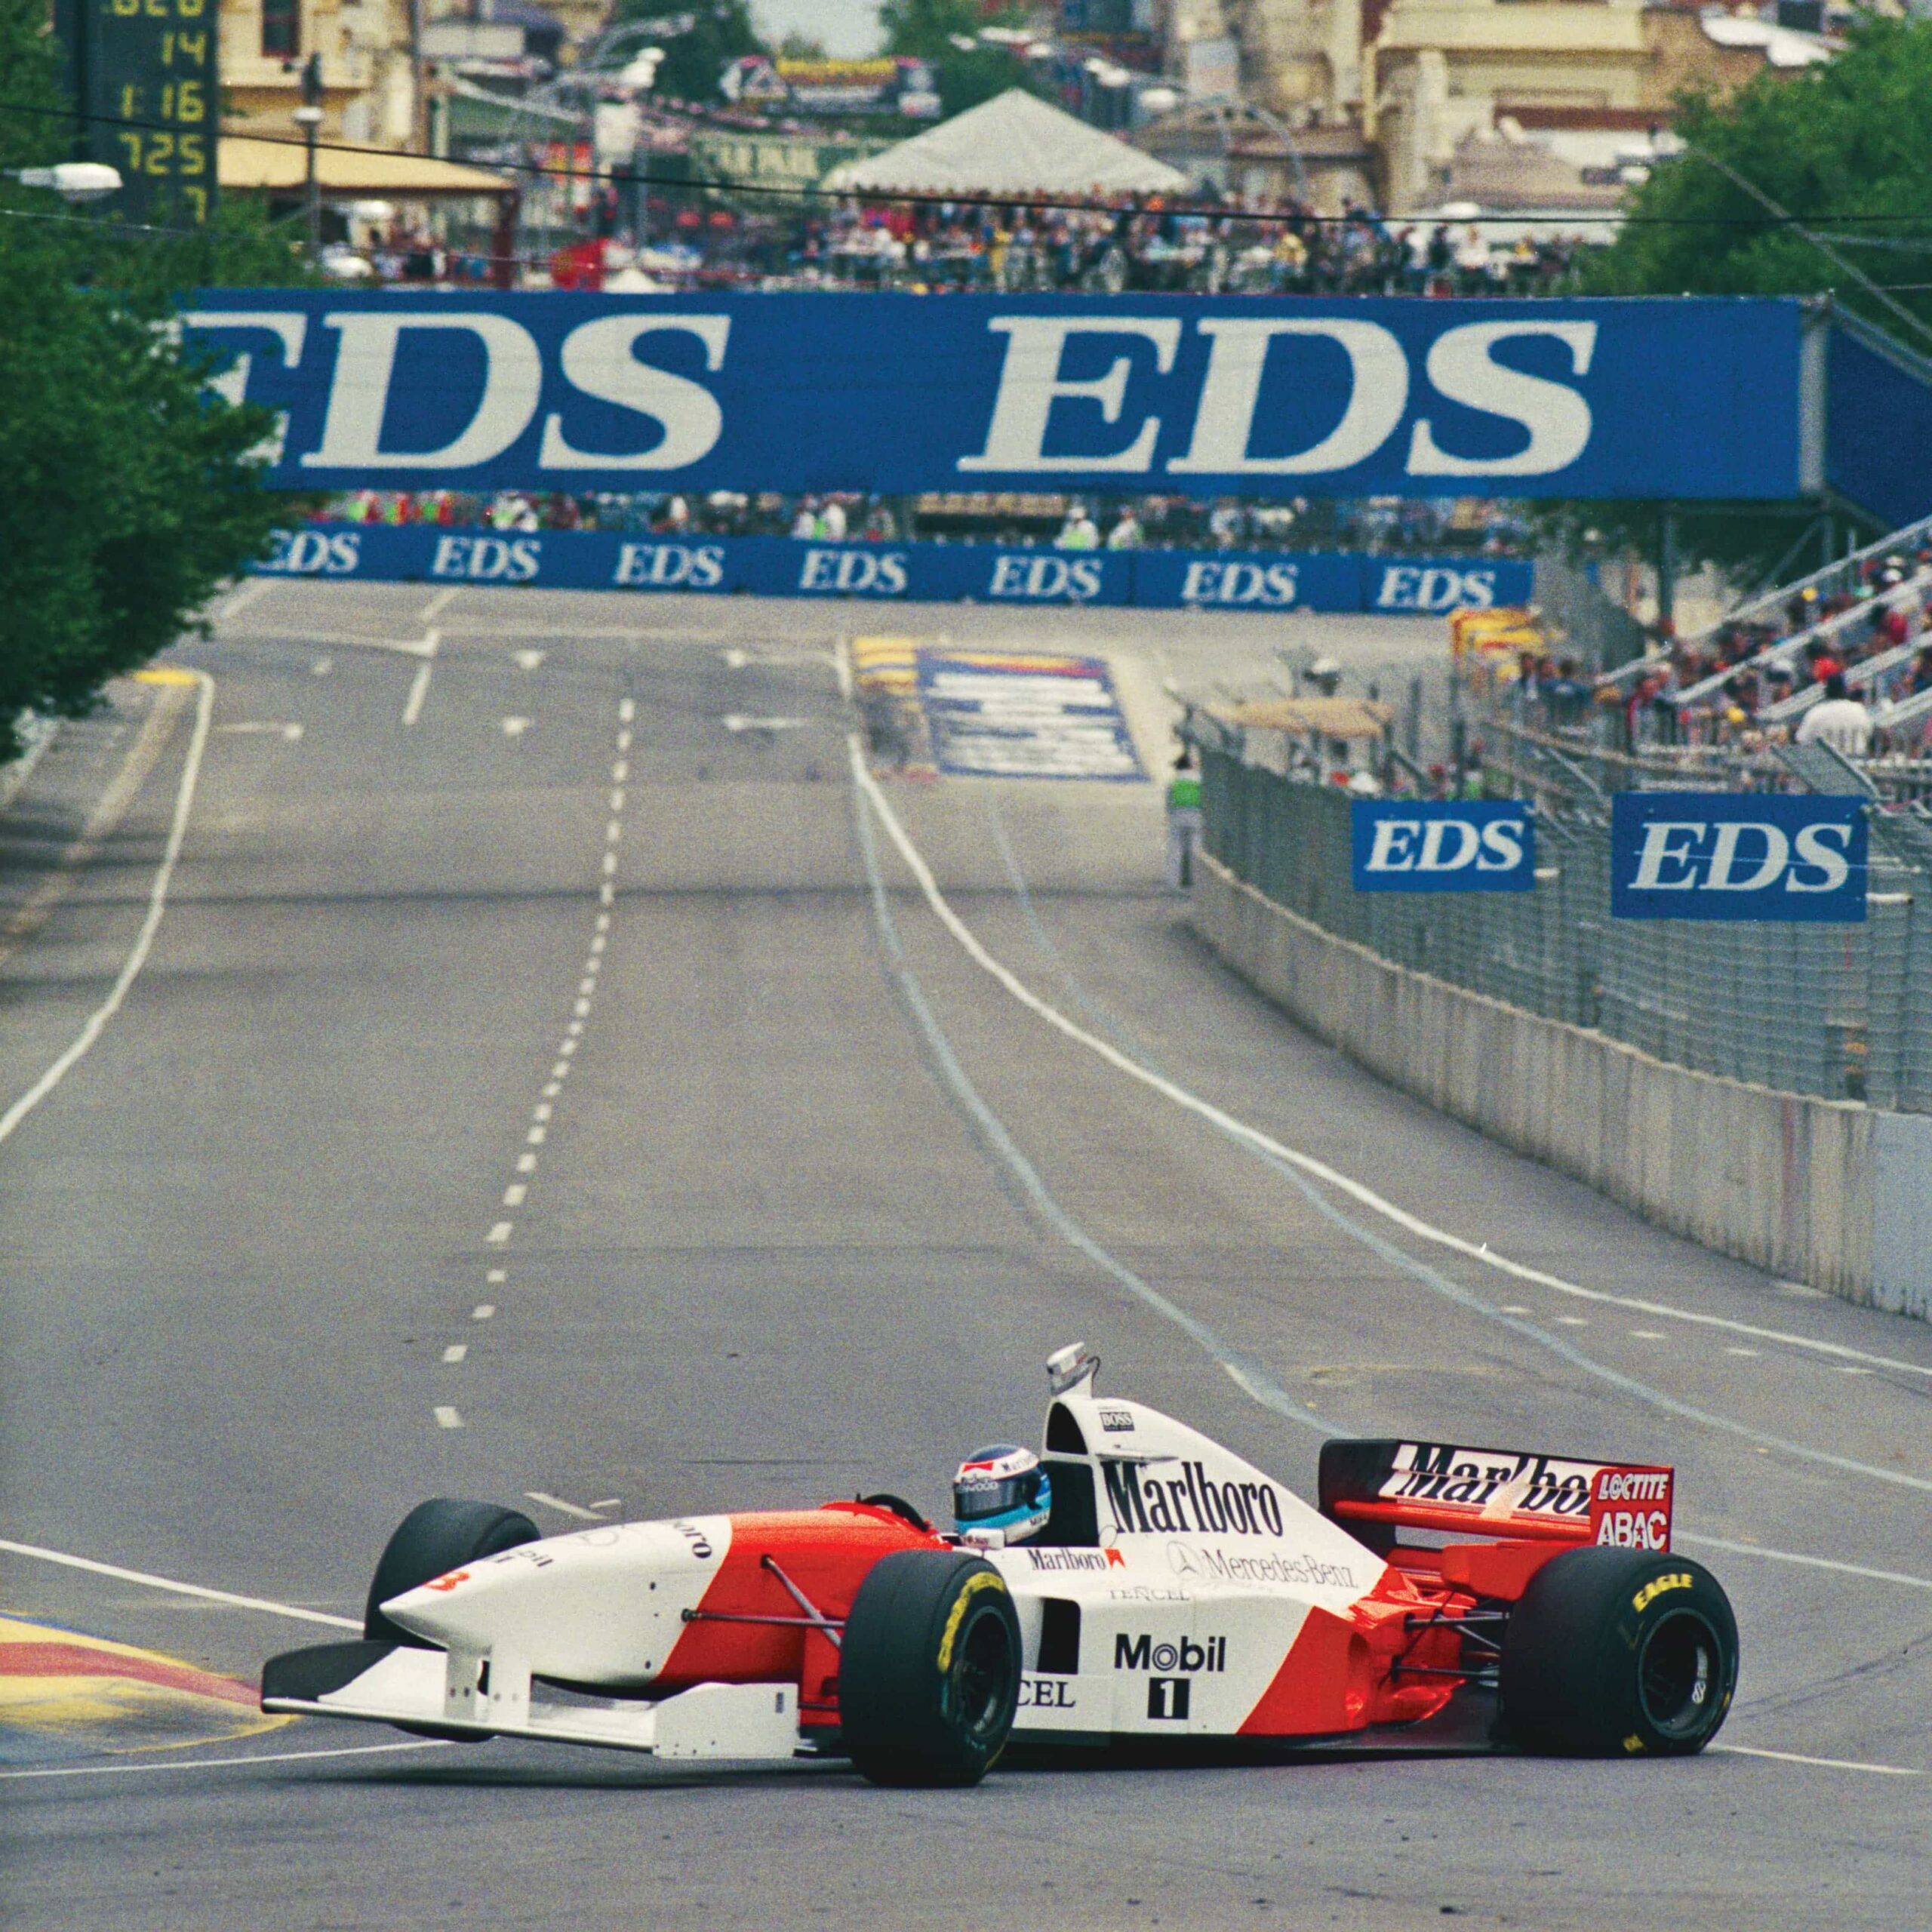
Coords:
1831,1193
935,573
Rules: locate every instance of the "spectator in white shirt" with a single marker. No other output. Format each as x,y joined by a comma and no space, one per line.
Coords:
832,521
1836,720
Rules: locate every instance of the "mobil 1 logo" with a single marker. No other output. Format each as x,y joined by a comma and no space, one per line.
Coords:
1733,855
1404,845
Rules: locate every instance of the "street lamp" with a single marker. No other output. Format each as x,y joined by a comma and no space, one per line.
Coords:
308,117
73,180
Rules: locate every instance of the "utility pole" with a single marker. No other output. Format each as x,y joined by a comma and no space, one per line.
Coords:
308,117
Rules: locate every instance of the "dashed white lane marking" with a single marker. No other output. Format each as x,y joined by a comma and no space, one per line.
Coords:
581,1009
223,1763
1648,1335
322,667
515,727
501,1233
526,1164
535,1136
607,893
1821,1763
292,732
842,666
96,1022
568,1046
456,1351
438,603
626,710
1840,1369
1743,1351
513,1195
497,1274
623,741
1514,1308
1573,1321
587,985
597,944
620,771
609,863
448,1417
170,1584
528,660
1732,1549
617,797
482,1312
1306,1171
419,685
557,1503
552,1088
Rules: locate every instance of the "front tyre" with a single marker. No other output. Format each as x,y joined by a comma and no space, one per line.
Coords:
1616,1652
929,1669
435,1538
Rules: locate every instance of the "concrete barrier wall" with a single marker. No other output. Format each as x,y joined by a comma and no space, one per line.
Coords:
1828,1192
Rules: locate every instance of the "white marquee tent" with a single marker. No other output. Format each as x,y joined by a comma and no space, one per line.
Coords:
1014,144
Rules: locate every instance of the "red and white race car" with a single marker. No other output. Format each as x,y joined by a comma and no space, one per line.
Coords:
1177,1592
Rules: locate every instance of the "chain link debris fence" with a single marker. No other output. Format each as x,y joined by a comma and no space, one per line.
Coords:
1844,1012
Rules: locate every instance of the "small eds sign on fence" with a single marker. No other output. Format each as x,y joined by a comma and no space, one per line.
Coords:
1727,855
1407,845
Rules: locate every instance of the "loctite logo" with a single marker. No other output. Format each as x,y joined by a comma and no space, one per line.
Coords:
1193,1502
1148,1653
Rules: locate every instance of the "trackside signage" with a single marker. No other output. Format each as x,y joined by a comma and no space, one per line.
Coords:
1405,845
558,390
1727,855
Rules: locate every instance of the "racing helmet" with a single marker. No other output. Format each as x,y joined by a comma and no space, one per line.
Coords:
1004,1488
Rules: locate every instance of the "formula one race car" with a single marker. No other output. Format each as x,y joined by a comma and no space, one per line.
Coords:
1170,1592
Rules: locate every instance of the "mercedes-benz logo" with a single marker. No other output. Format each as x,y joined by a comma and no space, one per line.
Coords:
1180,1561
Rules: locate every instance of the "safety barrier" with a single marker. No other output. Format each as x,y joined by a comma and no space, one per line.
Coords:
1843,1012
1829,1192
936,573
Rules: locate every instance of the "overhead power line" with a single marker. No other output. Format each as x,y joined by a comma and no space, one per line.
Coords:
910,198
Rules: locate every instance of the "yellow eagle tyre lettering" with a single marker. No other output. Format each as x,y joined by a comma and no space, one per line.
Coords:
984,1580
1618,1653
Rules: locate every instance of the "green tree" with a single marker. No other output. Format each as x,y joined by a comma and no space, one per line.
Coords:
128,493
700,39
1850,138
930,30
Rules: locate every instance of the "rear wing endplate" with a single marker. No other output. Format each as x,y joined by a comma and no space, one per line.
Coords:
1502,1493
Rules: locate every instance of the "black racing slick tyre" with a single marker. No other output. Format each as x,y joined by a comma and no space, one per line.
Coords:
929,1669
435,1538
1619,1652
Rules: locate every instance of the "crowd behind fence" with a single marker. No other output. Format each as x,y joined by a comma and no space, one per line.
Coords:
1844,1012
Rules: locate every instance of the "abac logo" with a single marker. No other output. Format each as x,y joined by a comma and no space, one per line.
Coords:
1728,855
1404,847
1434,588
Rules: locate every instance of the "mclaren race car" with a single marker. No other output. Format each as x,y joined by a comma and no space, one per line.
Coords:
1171,1591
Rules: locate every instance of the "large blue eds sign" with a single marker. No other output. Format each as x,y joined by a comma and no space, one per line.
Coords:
1408,845
1193,394
1729,855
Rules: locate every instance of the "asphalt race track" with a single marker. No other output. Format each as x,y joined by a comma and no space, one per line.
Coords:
409,1166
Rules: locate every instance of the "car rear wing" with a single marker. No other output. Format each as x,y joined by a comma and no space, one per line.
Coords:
1497,1493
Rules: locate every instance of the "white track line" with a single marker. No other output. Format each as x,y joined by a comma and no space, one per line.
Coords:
419,687
97,1021
1480,1251
179,1589
438,603
1822,1763
1806,1562
219,1764
1292,1159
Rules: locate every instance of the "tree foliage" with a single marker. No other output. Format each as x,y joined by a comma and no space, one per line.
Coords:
128,492
700,39
1849,138
1846,148
930,30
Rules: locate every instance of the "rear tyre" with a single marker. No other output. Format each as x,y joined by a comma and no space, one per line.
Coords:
929,1669
435,1538
1617,1653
